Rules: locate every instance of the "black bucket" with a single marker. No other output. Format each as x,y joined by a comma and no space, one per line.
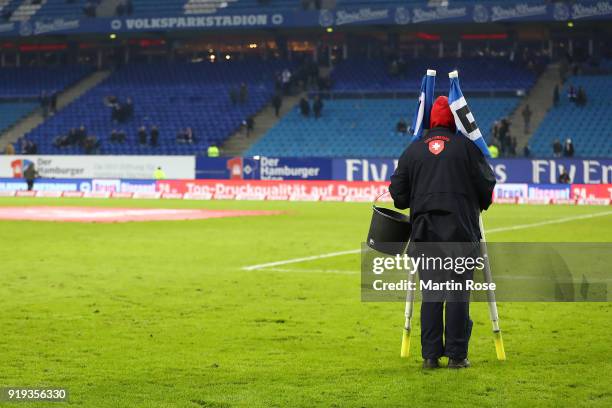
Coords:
389,231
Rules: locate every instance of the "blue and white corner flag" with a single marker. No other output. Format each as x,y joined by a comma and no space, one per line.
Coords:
423,110
464,119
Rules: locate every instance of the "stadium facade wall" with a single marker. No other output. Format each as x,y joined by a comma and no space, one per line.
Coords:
412,13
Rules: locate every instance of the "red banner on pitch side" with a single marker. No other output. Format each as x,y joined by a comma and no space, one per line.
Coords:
591,191
276,189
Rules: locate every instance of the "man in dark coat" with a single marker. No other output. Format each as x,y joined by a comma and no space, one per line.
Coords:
142,135
154,136
317,107
446,182
30,175
277,102
304,107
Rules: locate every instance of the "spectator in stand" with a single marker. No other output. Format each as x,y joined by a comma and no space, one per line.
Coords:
564,177
89,9
401,126
142,135
526,118
249,125
10,149
286,80
513,144
44,103
72,136
80,135
154,136
304,107
526,151
91,145
53,102
571,93
581,98
28,147
277,102
495,130
120,10
244,93
61,141
117,136
185,136
116,112
557,148
127,109
568,148
504,136
556,96
30,174
190,135
317,107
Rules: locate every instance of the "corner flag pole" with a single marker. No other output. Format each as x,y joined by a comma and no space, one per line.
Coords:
499,343
405,351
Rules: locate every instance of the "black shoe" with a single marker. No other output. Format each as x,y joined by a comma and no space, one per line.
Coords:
430,363
452,363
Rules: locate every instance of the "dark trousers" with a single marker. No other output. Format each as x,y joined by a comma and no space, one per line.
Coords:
445,315
30,184
456,333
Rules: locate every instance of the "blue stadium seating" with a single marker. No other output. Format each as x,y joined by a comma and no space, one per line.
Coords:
62,9
587,126
474,73
31,81
171,96
360,128
11,112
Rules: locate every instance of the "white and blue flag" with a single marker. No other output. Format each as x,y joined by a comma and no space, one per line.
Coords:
464,119
423,110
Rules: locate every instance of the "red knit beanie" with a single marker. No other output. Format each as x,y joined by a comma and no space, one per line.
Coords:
441,115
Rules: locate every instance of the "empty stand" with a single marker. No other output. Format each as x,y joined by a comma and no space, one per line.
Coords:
586,126
170,96
11,112
31,81
475,74
360,128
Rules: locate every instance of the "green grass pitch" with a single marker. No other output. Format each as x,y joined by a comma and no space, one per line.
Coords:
161,314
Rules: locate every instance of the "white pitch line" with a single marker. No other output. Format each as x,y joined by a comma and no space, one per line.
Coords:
297,260
334,271
491,231
549,222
